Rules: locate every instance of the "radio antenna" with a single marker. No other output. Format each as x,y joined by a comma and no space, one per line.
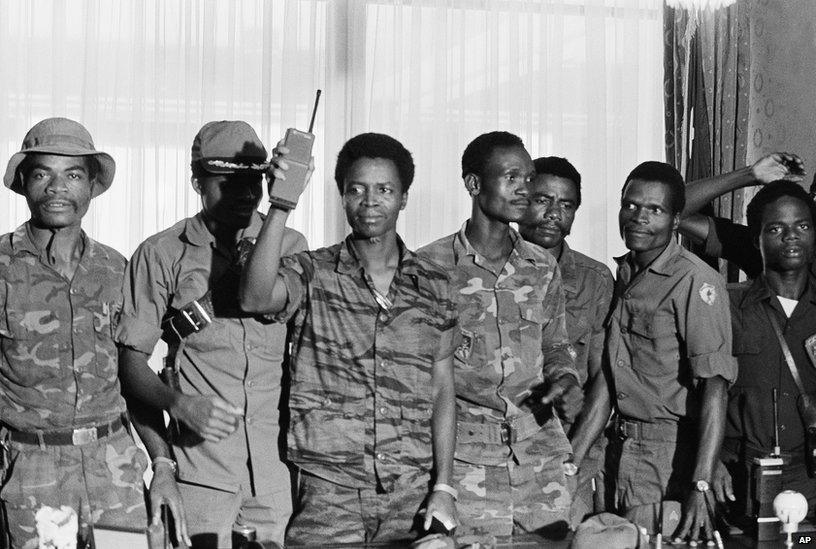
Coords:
314,110
777,450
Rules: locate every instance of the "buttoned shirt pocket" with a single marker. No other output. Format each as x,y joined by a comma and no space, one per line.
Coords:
32,359
104,318
654,342
751,369
327,426
528,341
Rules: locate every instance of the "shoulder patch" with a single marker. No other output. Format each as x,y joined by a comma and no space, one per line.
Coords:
708,293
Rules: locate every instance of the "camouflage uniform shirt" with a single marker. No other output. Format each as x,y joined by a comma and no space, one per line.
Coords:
237,357
361,397
514,339
588,287
59,363
669,327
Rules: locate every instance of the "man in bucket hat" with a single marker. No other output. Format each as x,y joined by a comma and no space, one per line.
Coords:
182,286
63,418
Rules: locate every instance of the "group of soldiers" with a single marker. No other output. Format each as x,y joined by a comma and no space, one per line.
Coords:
496,381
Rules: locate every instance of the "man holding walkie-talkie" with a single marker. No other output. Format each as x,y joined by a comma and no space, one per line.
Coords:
774,321
374,329
224,366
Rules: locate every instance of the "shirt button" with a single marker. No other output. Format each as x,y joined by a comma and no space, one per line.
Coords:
72,291
381,456
383,410
781,427
250,383
249,421
384,364
621,363
624,329
621,395
627,295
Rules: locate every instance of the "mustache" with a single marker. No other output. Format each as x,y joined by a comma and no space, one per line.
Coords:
51,200
635,229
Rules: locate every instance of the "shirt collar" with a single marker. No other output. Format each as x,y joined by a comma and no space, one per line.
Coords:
663,263
521,248
197,233
23,241
349,263
761,291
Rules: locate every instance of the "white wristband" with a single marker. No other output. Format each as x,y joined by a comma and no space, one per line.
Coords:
442,487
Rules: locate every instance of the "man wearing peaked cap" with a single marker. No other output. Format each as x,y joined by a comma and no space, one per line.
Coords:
224,365
64,435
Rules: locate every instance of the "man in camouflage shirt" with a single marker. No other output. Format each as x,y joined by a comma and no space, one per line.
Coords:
515,363
64,435
555,195
374,329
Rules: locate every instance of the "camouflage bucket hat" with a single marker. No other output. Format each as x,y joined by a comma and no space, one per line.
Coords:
66,138
229,146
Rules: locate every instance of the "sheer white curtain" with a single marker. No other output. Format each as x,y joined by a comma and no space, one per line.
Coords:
575,78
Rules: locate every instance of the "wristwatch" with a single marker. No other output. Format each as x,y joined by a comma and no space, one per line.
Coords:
702,485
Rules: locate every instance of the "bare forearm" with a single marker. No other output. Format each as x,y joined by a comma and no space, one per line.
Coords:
695,226
149,423
711,428
444,425
701,192
261,291
140,383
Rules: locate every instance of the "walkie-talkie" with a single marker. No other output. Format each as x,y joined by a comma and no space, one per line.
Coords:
766,483
285,194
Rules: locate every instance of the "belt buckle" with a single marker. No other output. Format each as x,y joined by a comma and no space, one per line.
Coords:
82,436
507,433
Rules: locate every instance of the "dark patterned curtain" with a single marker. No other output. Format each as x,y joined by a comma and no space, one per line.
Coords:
707,82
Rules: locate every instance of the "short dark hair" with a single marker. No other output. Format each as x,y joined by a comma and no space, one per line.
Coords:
479,150
770,193
559,167
375,145
662,173
27,164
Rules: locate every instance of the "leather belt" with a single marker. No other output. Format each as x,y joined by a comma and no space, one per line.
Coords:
506,432
68,437
665,431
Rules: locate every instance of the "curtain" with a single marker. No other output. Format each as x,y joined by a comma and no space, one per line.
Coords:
707,59
574,78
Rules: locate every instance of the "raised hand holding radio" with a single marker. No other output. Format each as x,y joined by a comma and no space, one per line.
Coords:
292,165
